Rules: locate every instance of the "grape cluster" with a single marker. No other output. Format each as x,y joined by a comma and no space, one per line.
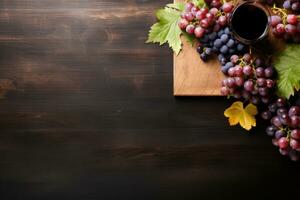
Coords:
285,127
199,21
291,5
285,25
221,43
249,78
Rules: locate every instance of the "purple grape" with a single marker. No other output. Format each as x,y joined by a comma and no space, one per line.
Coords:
249,85
271,130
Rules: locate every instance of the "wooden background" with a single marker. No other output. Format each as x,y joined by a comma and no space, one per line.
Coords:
87,112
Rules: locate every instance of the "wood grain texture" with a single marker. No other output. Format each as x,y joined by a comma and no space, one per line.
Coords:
89,114
192,76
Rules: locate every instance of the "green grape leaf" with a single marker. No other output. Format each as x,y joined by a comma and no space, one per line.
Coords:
166,30
189,38
287,65
177,6
199,3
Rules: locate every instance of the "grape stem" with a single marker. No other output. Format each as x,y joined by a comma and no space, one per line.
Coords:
280,11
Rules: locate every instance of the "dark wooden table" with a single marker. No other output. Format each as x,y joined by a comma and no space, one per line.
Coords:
87,112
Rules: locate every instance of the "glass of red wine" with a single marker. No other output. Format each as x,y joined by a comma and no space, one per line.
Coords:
249,22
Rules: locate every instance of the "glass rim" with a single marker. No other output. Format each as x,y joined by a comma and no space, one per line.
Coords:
266,31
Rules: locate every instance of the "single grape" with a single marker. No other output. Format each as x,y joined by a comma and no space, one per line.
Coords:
276,121
204,23
189,6
214,11
222,20
269,71
285,119
260,72
208,51
230,43
271,130
216,3
199,32
261,82
258,62
275,142
189,16
209,16
183,23
249,85
284,152
287,4
218,43
231,71
240,47
295,134
247,57
281,111
295,121
225,91
291,29
200,15
294,155
227,7
275,19
280,102
292,19
227,31
272,107
190,29
224,38
283,143
270,83
296,6
266,115
294,110
248,70
231,82
234,59
263,91
295,144
224,49
238,70
204,56
280,29
194,10
239,81
279,134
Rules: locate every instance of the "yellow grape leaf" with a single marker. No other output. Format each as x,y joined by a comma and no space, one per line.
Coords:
244,116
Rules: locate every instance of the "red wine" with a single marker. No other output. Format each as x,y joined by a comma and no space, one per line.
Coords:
249,22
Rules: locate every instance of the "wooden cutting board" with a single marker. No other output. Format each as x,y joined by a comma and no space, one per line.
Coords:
192,77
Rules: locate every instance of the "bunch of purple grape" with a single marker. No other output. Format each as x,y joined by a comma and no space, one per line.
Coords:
250,79
288,28
199,21
284,128
285,25
291,5
221,43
